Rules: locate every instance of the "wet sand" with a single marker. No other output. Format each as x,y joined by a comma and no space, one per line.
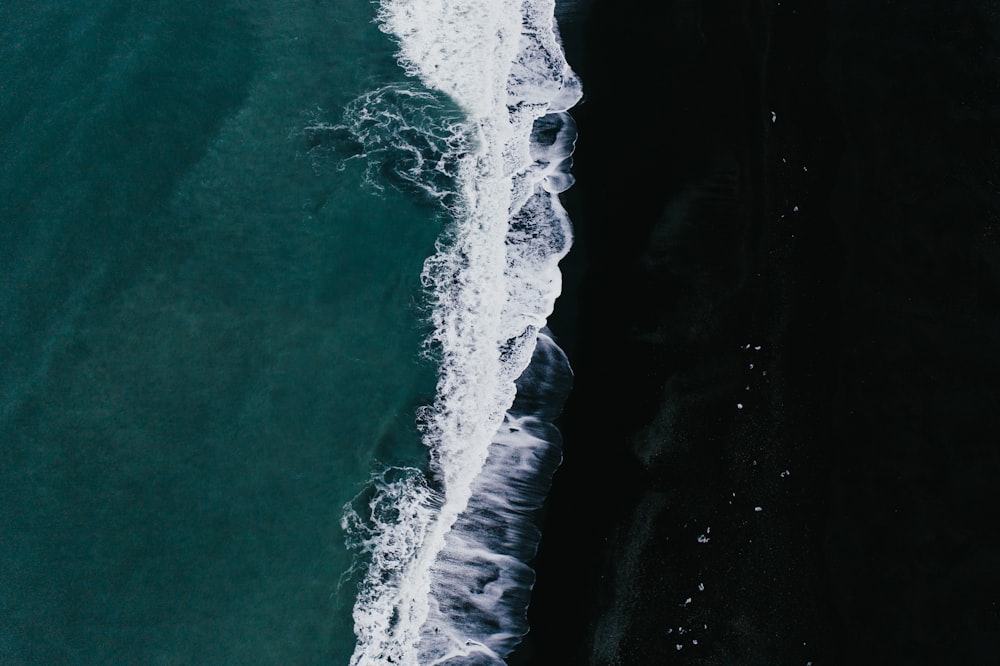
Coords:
821,183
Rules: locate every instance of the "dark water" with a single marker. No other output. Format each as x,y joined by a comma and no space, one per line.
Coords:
209,335
270,282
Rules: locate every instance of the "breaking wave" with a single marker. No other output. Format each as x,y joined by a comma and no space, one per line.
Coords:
446,550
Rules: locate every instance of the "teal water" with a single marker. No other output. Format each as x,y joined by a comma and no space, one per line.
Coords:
209,334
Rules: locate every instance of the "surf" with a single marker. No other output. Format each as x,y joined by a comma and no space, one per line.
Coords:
446,548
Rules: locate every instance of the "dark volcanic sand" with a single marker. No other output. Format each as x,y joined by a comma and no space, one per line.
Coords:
876,307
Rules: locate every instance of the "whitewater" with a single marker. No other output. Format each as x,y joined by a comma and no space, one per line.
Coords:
446,548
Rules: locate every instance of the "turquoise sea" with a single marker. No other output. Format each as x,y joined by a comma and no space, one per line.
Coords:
210,328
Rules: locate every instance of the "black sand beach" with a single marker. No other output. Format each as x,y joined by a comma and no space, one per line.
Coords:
783,312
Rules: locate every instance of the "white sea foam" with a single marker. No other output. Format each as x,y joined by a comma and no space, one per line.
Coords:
480,581
447,581
407,135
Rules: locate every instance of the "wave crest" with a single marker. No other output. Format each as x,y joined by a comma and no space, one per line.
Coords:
454,590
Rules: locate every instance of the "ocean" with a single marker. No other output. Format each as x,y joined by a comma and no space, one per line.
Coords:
277,378
270,271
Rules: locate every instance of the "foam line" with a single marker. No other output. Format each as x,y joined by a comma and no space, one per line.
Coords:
447,581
